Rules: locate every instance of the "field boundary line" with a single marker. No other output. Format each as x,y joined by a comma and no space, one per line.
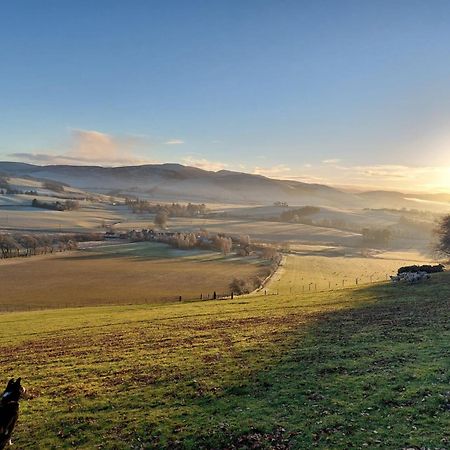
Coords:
278,271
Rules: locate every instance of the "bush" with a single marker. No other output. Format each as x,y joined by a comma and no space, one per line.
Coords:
425,268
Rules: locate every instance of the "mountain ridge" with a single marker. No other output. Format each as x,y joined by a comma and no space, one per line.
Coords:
174,180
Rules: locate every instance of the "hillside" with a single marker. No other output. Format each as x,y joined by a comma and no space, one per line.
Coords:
175,181
362,367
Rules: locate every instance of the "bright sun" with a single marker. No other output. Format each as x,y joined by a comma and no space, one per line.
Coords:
442,180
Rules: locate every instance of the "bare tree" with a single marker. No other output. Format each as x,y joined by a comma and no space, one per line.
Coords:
8,245
223,244
161,219
443,233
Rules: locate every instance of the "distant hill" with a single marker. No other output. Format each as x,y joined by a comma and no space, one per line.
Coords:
175,181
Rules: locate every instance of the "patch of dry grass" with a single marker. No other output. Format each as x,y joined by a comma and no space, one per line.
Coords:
89,278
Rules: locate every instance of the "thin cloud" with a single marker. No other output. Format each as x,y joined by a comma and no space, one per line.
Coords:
91,147
278,171
205,164
174,142
331,161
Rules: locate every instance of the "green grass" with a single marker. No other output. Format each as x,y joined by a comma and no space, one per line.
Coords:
363,367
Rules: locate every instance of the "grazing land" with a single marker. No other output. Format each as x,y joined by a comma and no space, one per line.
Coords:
362,367
117,274
311,273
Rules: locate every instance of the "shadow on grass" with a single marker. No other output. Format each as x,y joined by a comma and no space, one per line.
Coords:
373,376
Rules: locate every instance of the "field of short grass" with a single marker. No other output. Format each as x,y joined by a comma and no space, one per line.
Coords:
313,273
26,218
364,367
117,274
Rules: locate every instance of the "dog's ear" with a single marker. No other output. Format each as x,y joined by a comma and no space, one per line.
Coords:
10,383
18,381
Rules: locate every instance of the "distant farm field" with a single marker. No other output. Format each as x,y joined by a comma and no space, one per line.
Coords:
117,274
258,230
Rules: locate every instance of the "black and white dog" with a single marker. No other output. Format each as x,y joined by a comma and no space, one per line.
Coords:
9,410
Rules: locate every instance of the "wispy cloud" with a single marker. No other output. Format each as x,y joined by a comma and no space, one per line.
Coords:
331,161
204,164
279,171
174,142
90,147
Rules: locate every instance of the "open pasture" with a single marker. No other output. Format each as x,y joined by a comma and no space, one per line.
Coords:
90,217
363,367
116,274
311,273
258,230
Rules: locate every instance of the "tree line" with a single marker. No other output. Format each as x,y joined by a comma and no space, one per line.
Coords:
139,206
68,205
298,214
14,245
188,240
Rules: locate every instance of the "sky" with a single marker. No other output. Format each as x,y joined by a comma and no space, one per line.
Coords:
347,93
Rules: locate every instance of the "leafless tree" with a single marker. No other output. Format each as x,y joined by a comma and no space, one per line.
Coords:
161,220
443,234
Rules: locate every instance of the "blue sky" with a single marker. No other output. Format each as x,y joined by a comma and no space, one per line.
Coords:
341,92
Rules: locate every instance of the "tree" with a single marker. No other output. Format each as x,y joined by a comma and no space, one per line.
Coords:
29,243
161,219
443,233
223,244
8,245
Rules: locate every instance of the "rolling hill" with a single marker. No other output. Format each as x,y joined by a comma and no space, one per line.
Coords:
175,181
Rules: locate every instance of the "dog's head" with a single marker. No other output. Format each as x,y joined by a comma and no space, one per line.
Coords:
14,390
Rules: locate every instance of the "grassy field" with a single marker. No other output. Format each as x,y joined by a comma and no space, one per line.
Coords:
89,218
364,367
117,274
258,230
311,273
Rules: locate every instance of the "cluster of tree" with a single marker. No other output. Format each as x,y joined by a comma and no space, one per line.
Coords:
15,245
7,189
241,286
298,215
281,204
13,191
246,285
187,240
172,210
53,186
202,240
376,237
68,205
